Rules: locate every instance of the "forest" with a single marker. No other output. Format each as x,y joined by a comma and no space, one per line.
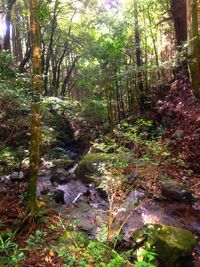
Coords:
100,133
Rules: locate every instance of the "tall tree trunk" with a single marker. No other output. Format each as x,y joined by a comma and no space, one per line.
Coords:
154,43
35,120
138,56
28,52
68,75
16,44
178,10
50,47
194,46
9,6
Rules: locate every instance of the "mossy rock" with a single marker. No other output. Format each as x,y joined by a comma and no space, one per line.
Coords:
175,190
89,168
64,163
76,249
172,245
94,166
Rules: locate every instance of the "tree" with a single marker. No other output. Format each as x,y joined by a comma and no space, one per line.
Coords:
194,46
35,120
178,10
138,56
9,6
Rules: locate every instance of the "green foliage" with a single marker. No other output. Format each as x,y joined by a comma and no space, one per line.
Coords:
107,146
77,250
10,252
36,239
55,121
148,259
6,70
61,106
95,111
14,113
8,159
126,136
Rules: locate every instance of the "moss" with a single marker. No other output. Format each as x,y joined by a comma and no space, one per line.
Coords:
63,163
93,166
171,244
89,168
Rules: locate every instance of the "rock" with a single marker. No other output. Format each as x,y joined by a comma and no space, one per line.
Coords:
58,179
61,171
176,191
63,163
45,191
92,165
178,134
72,190
59,150
172,245
71,155
47,165
44,172
60,176
176,214
58,196
17,176
95,166
49,200
5,180
25,163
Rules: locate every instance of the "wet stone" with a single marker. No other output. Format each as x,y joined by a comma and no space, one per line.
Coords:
58,196
173,245
61,171
176,191
16,176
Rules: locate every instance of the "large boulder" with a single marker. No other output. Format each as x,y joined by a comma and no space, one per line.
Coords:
175,191
92,166
172,245
95,166
63,163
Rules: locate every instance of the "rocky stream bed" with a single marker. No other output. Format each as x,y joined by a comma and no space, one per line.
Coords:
59,185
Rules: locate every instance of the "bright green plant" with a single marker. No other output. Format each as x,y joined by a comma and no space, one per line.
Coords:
6,72
8,159
10,252
36,239
147,259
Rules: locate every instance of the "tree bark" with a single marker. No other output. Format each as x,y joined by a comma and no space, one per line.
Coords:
9,6
138,57
50,48
67,77
178,10
35,120
194,46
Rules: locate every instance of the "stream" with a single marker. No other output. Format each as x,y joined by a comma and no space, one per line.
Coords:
89,208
